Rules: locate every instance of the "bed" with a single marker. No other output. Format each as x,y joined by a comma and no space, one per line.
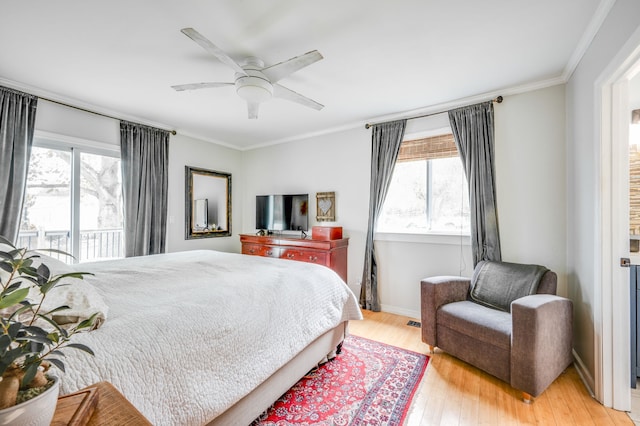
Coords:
205,337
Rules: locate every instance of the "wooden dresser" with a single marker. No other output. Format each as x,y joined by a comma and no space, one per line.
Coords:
331,253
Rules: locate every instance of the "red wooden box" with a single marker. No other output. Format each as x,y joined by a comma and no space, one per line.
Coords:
326,233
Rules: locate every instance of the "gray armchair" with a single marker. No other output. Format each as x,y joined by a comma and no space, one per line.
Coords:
520,333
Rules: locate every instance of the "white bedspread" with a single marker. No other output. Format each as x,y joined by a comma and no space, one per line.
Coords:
191,333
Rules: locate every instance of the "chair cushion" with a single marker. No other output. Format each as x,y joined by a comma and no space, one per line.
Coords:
477,321
497,284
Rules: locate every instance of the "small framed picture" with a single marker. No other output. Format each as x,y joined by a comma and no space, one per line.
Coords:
326,206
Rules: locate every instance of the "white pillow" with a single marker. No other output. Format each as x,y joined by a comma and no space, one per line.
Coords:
83,300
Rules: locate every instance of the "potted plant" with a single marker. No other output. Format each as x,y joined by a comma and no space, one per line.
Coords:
31,339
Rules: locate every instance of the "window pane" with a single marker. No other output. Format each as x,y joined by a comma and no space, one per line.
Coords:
427,196
46,213
405,208
449,196
101,220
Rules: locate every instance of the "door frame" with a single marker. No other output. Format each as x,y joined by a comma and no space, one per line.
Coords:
611,301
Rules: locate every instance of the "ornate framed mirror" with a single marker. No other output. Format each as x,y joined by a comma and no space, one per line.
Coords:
207,203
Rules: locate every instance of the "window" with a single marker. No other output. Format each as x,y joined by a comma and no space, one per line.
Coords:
73,202
428,191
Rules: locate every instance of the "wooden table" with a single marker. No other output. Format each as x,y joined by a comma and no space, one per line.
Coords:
112,409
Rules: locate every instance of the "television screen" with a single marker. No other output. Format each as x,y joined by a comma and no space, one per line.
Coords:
282,212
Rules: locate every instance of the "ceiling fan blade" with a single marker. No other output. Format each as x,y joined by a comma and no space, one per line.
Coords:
253,108
288,94
283,69
194,86
213,49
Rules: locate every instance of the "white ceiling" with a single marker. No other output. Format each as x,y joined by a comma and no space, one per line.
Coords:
381,58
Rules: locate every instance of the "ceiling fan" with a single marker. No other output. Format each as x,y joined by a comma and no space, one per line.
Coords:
253,81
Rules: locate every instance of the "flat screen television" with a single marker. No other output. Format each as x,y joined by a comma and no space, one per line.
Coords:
282,212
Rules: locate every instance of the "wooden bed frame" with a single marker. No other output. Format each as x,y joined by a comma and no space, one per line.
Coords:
255,403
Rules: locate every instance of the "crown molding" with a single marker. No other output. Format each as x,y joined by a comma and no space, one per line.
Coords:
589,34
208,140
304,136
433,109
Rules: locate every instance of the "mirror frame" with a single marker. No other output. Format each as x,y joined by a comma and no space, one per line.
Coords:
190,234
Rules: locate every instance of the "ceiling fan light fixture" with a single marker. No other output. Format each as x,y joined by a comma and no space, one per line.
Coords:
254,82
254,89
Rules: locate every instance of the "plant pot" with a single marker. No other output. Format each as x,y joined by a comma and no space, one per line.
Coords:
37,411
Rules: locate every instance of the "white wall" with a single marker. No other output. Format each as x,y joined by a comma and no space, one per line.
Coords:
405,260
531,179
583,168
186,151
338,162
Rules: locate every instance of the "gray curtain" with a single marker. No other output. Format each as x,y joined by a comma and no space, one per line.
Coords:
472,128
145,159
385,145
17,118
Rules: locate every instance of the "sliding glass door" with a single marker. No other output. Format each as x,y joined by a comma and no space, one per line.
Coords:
73,202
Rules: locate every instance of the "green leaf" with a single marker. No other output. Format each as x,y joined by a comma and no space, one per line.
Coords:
14,285
13,298
5,342
53,323
81,347
30,373
5,255
26,307
34,329
36,348
3,240
43,273
46,287
56,251
44,340
14,329
6,266
9,357
16,253
87,323
79,275
58,309
57,363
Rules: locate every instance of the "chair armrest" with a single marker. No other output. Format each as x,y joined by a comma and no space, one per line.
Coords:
541,341
435,292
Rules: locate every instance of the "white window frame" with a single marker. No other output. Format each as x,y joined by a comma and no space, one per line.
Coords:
428,237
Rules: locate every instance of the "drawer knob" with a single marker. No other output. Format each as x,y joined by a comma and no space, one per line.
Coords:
313,258
252,251
290,255
269,253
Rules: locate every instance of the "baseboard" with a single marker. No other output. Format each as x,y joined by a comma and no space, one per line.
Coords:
584,374
400,311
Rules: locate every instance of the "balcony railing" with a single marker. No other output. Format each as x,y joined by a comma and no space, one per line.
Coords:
94,243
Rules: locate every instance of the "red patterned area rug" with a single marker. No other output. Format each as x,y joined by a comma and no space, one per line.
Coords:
369,383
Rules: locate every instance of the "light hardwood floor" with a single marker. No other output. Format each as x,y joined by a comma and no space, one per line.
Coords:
455,393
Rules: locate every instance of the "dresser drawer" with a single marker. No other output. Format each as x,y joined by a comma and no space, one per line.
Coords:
260,250
330,253
305,256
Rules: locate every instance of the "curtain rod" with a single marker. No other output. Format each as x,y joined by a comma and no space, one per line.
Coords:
499,100
173,132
